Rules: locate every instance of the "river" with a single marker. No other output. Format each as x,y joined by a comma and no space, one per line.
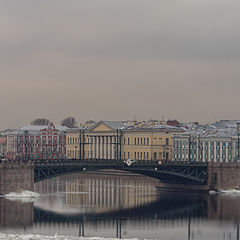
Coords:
123,206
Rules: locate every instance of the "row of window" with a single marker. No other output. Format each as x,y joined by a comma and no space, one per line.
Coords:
39,150
126,141
141,141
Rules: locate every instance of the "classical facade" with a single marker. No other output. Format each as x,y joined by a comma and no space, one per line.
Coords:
119,140
36,142
218,145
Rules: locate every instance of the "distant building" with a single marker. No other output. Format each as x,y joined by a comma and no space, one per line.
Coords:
217,145
125,140
3,145
36,142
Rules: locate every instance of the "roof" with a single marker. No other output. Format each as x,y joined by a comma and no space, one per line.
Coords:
211,133
221,133
35,129
115,125
39,127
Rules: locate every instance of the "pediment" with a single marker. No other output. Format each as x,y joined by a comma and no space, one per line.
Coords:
101,128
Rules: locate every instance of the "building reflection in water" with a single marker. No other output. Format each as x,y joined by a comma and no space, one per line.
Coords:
15,214
91,192
124,206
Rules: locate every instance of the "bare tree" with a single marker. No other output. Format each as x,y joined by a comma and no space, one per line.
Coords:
69,122
41,122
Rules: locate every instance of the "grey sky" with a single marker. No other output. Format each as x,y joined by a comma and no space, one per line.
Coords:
111,59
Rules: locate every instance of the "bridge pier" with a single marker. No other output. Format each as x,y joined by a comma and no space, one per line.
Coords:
221,176
16,177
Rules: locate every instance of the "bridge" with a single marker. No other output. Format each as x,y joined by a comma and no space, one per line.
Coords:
170,172
197,176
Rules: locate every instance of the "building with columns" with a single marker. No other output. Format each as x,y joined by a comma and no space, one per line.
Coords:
216,145
121,140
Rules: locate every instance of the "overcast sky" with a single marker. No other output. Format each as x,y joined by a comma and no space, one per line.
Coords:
113,59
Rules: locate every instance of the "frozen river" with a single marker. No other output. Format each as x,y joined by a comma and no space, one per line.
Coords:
118,206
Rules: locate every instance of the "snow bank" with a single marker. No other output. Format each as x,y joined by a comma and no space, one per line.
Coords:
22,195
230,191
55,237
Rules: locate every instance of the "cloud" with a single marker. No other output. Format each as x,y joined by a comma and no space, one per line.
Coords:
110,58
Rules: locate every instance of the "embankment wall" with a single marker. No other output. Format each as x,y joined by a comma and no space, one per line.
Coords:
16,177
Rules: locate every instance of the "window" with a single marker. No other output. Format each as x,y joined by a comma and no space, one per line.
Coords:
147,141
135,141
138,155
167,141
155,156
141,155
128,154
147,155
144,141
128,141
141,141
138,141
135,155
124,141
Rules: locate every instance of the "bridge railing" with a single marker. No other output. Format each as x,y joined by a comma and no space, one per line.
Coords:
192,163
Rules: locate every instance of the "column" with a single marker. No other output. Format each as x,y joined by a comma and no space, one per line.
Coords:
97,147
203,151
93,147
90,147
103,143
113,147
227,159
215,152
109,147
221,152
106,147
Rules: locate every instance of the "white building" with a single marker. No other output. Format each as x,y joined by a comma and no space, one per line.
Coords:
218,145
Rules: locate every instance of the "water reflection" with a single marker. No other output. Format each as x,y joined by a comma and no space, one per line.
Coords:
15,214
95,193
121,206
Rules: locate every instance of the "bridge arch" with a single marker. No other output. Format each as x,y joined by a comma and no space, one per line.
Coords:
195,174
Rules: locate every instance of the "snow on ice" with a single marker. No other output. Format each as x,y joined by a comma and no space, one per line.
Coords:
54,237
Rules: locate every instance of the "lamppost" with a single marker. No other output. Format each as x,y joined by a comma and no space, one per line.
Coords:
238,140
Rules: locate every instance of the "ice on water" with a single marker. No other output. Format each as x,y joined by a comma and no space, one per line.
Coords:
22,195
229,191
54,237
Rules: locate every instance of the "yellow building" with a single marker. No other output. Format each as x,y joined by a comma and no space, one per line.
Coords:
120,140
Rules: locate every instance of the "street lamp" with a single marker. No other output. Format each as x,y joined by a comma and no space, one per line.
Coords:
238,134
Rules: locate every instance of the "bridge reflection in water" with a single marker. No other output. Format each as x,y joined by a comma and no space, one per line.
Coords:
93,204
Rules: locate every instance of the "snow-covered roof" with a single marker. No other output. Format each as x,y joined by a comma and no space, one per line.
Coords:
35,129
221,133
39,127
